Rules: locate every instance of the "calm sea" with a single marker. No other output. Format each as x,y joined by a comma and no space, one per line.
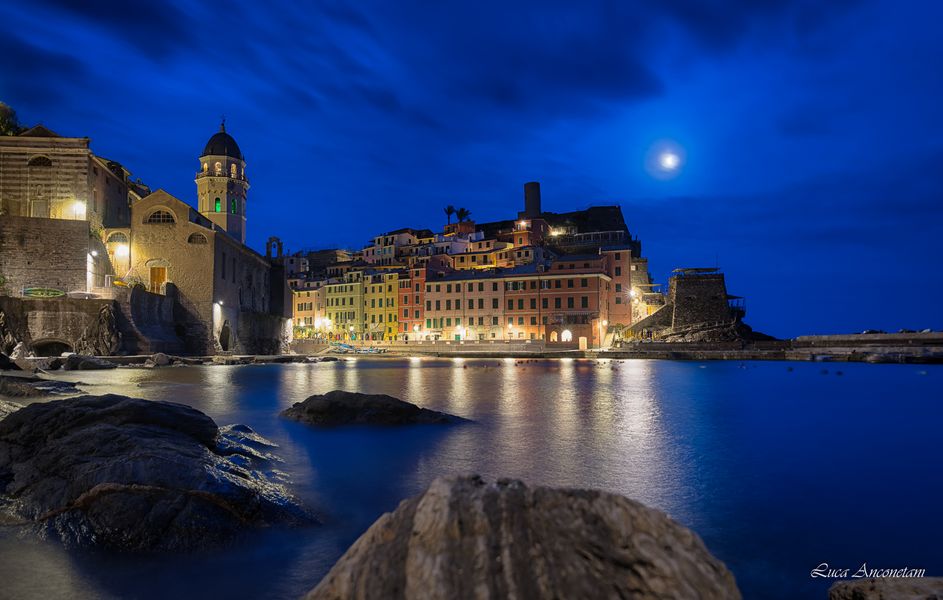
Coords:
777,466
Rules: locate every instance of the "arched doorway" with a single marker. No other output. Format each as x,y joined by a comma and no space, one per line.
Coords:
553,336
566,336
51,347
225,336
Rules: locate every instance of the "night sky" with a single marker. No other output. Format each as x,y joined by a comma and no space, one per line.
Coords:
811,132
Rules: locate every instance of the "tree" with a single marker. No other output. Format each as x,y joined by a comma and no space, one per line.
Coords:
462,214
9,125
449,211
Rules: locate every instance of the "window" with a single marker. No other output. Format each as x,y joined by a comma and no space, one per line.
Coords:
117,238
544,303
232,206
232,170
566,336
618,256
569,283
196,238
533,321
618,299
494,303
618,271
520,304
39,161
584,301
160,217
510,305
569,302
520,320
219,205
533,303
494,286
556,303
618,287
219,168
584,282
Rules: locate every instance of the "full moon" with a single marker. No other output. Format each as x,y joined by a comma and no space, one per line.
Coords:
669,161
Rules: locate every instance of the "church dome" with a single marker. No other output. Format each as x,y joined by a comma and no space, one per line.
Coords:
222,144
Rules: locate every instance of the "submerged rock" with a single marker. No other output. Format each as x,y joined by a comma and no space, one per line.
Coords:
34,387
351,408
913,588
130,474
464,538
80,362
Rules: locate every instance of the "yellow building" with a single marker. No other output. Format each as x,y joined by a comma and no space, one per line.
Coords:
380,305
343,307
308,314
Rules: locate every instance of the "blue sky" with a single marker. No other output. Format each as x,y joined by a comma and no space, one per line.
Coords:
811,131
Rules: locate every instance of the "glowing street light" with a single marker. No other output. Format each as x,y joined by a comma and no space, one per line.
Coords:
122,250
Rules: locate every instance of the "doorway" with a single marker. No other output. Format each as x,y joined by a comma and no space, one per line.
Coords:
158,279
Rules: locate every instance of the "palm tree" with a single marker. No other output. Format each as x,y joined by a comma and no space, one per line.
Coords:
449,211
462,214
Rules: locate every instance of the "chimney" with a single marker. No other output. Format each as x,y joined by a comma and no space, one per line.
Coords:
532,200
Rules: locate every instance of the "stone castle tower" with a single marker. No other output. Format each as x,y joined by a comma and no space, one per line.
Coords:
221,184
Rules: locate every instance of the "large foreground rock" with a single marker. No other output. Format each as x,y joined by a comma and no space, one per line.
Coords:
929,588
350,408
464,538
132,474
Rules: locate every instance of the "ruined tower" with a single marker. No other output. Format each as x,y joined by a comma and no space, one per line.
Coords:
221,184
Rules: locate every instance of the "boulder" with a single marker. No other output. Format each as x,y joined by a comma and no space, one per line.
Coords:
8,407
19,351
917,588
351,408
129,474
81,362
160,359
464,538
6,364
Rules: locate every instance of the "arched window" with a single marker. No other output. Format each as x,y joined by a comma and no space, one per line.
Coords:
553,336
219,205
219,168
40,161
233,206
232,170
117,238
160,217
206,167
566,336
196,238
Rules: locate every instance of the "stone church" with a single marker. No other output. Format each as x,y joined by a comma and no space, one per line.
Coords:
74,225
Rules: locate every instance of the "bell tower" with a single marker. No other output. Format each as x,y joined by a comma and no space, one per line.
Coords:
221,184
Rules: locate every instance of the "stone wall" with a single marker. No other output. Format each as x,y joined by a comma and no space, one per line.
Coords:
38,252
55,325
261,333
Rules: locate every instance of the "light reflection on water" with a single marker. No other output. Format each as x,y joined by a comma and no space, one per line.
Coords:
759,460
